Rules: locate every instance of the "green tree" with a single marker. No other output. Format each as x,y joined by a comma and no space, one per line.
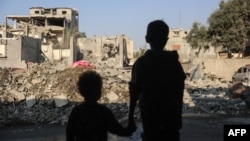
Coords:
197,36
229,25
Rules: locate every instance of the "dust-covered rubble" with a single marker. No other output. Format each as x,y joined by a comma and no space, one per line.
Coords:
46,93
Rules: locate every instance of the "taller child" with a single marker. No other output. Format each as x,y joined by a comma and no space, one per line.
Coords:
157,82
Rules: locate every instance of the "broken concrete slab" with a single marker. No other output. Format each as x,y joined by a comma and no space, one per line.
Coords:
60,100
30,101
17,95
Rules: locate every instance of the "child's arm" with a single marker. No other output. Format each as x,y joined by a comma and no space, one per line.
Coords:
134,91
115,127
133,101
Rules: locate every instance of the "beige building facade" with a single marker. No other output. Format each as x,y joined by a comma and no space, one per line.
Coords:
49,30
177,42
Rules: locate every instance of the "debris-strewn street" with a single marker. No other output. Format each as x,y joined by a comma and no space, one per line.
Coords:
46,93
39,99
196,127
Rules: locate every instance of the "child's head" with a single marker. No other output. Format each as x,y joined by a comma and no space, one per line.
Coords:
157,34
90,85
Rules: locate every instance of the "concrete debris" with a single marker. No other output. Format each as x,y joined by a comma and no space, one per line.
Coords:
60,100
30,101
112,97
195,71
17,95
46,94
239,90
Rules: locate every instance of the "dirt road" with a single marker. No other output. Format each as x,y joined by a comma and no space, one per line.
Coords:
196,127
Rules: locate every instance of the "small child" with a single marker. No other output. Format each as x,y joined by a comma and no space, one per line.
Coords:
91,121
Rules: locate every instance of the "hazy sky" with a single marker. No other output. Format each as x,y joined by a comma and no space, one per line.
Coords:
115,17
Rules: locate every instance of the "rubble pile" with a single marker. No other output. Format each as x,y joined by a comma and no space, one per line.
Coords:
212,96
46,93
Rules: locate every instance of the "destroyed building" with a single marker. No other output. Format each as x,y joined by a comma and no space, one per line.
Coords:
44,21
50,34
118,49
46,94
24,41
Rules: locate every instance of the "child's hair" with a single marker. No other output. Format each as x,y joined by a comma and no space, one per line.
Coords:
157,31
90,85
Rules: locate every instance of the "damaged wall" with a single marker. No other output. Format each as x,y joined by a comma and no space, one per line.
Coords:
118,48
31,49
92,44
21,51
13,54
223,68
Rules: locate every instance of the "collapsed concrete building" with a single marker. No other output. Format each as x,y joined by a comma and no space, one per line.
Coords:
52,34
24,41
118,48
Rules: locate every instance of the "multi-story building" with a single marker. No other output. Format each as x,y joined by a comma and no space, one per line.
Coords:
45,23
47,33
178,42
24,37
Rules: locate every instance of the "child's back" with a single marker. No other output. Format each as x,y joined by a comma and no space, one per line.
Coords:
90,120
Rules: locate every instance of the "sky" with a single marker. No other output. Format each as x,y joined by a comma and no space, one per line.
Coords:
115,17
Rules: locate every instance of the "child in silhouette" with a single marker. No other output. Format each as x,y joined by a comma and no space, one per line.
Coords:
91,121
157,82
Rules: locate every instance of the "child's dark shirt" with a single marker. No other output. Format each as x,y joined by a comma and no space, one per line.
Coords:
92,123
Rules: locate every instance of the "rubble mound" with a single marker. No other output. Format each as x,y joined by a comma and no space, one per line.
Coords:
46,93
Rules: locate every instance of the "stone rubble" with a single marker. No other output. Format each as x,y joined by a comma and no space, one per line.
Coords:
46,93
